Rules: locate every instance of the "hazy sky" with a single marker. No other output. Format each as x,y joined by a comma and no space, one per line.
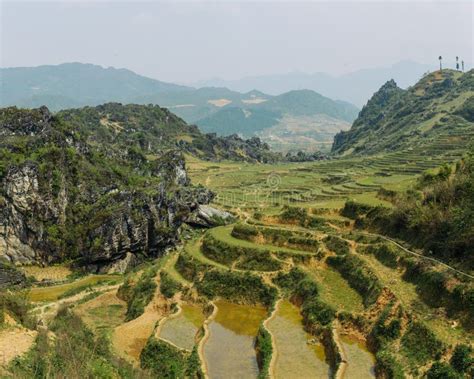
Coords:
186,41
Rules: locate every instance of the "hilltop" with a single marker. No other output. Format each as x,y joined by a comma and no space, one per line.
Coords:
438,110
284,121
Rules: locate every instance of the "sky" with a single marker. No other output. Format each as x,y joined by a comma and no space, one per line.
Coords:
186,41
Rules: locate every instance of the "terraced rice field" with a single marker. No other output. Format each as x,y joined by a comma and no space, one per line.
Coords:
263,244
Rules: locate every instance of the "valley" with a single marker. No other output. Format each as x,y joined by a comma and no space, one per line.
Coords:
215,257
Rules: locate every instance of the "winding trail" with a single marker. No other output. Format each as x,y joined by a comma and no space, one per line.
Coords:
418,254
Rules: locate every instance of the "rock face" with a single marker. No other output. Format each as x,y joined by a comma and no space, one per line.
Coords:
207,216
62,197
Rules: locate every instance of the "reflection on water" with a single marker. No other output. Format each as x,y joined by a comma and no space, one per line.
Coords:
295,357
360,361
229,351
181,330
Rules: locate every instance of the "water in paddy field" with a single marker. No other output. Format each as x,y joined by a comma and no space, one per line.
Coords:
229,352
295,357
181,330
360,361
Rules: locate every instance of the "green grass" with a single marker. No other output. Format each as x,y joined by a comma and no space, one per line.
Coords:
335,290
52,293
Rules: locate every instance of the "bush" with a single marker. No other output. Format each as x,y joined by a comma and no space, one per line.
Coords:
138,295
168,286
315,312
250,258
239,287
190,268
441,370
337,245
264,350
353,209
421,344
163,359
462,359
18,306
387,366
385,254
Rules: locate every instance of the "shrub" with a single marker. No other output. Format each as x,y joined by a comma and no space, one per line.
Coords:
239,287
387,366
163,359
138,295
168,286
264,350
462,359
337,245
385,254
440,370
420,343
315,311
190,268
353,209
75,350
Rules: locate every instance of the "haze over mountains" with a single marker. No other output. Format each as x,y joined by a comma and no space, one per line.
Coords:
355,87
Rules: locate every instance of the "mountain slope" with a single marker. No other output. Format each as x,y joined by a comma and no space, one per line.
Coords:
283,120
438,108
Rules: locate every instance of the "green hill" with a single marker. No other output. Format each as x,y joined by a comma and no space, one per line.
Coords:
438,110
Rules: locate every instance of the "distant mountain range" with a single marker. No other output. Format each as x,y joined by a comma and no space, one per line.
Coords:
356,87
284,120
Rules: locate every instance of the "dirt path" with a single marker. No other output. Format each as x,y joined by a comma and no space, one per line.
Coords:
47,311
271,367
129,339
420,255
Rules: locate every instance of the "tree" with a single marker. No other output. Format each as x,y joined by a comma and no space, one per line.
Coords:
440,64
457,62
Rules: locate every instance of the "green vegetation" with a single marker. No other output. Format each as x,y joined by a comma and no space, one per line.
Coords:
167,361
359,276
237,287
337,245
139,294
442,206
168,286
264,349
421,344
74,350
437,107
304,290
462,359
18,307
